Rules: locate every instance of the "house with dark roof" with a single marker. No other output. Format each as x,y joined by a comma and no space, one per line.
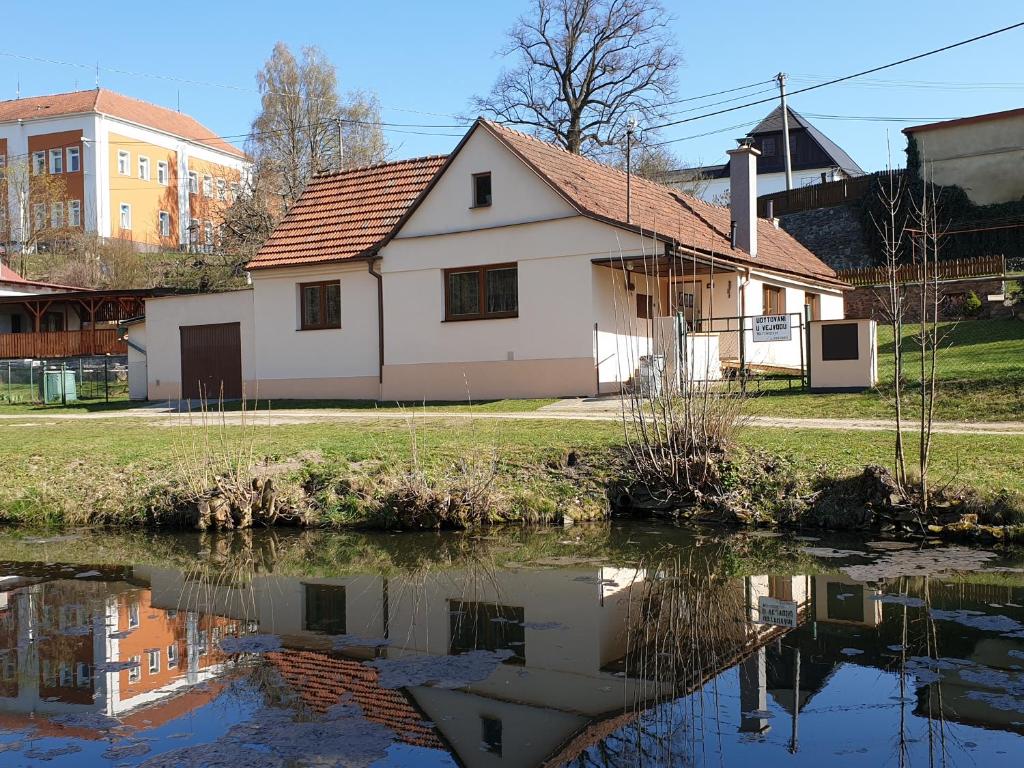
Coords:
115,166
815,159
509,268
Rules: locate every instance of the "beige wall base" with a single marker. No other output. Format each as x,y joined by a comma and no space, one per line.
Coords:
490,380
345,388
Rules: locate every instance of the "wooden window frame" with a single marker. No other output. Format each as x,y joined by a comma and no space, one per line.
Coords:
781,292
476,203
644,306
481,271
323,325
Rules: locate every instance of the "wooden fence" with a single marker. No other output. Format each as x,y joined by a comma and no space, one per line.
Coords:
50,344
954,269
817,195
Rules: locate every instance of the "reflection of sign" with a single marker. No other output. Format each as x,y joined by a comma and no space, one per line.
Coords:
773,328
779,613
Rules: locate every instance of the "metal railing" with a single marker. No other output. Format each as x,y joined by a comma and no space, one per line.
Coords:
62,381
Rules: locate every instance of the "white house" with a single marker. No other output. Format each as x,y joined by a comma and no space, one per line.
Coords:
510,268
814,159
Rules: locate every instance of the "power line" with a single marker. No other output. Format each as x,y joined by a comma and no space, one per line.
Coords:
877,118
844,78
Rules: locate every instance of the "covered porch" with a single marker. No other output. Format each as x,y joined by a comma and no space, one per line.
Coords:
67,324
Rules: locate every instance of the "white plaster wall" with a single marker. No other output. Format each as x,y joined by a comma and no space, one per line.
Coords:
717,190
138,384
166,315
622,337
285,352
556,303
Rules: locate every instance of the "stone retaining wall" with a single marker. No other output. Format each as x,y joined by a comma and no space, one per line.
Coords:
869,301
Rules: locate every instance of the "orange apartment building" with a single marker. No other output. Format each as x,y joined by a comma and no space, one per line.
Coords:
129,169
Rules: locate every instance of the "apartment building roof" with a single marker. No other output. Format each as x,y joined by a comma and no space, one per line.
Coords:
106,102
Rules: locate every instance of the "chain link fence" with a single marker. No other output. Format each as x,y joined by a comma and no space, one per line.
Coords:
64,381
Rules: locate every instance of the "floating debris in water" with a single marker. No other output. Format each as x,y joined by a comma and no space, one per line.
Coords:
128,749
827,552
255,644
910,602
442,671
542,625
986,622
851,651
347,641
87,574
920,562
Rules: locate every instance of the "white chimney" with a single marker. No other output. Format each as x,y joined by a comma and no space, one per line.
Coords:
743,195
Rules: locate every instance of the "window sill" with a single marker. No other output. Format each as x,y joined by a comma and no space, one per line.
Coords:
476,207
511,316
324,328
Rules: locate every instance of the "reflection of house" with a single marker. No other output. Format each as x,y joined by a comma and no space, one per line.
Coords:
814,158
119,167
511,268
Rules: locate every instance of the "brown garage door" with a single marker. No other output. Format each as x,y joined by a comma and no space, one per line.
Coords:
211,361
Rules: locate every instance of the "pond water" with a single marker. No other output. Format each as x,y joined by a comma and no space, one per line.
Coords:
595,646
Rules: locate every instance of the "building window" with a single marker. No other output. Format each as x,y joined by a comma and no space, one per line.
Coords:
74,159
83,675
481,190
56,161
154,661
490,734
144,168
124,162
487,627
644,306
222,190
235,190
39,215
57,215
172,656
51,322
74,213
774,300
161,173
193,183
133,615
208,233
164,219
325,608
812,306
477,293
207,185
768,146
38,163
135,670
321,305
126,216
66,676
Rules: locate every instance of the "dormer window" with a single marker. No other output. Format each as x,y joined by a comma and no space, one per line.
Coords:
481,190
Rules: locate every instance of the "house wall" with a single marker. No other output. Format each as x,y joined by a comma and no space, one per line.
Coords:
164,318
138,384
717,190
332,363
147,197
985,157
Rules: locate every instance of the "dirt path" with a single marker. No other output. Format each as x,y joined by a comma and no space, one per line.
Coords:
574,410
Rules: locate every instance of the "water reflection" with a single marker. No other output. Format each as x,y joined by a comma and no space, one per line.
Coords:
673,657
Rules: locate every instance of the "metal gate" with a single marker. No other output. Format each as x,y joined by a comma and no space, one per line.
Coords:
211,361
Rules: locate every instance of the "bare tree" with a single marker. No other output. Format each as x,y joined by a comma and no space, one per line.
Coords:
305,127
38,212
584,68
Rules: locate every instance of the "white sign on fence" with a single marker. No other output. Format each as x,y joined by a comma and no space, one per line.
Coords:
778,613
773,328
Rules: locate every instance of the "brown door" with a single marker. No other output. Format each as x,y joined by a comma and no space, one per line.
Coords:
211,361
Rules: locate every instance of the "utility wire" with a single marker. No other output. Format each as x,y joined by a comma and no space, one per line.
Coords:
844,78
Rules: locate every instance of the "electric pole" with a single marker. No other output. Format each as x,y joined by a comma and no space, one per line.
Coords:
781,79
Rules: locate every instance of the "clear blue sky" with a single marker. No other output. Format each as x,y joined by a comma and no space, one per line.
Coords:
431,57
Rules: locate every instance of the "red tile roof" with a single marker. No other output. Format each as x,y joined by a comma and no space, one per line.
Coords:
321,681
8,275
599,191
346,214
103,101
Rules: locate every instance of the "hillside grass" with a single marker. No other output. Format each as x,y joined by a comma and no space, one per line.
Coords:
980,375
80,472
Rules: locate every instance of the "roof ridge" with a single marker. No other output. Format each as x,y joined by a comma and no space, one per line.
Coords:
49,95
375,166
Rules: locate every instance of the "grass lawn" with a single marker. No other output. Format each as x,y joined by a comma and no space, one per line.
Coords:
67,471
980,372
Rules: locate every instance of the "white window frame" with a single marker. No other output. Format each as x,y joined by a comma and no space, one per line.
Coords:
135,671
145,169
74,213
207,185
57,215
222,189
163,173
65,675
124,162
83,675
38,163
73,162
151,656
39,215
172,656
134,612
163,219
193,183
125,215
56,161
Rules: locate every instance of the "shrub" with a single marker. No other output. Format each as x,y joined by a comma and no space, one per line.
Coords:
972,305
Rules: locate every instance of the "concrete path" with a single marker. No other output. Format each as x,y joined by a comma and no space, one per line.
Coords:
582,409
